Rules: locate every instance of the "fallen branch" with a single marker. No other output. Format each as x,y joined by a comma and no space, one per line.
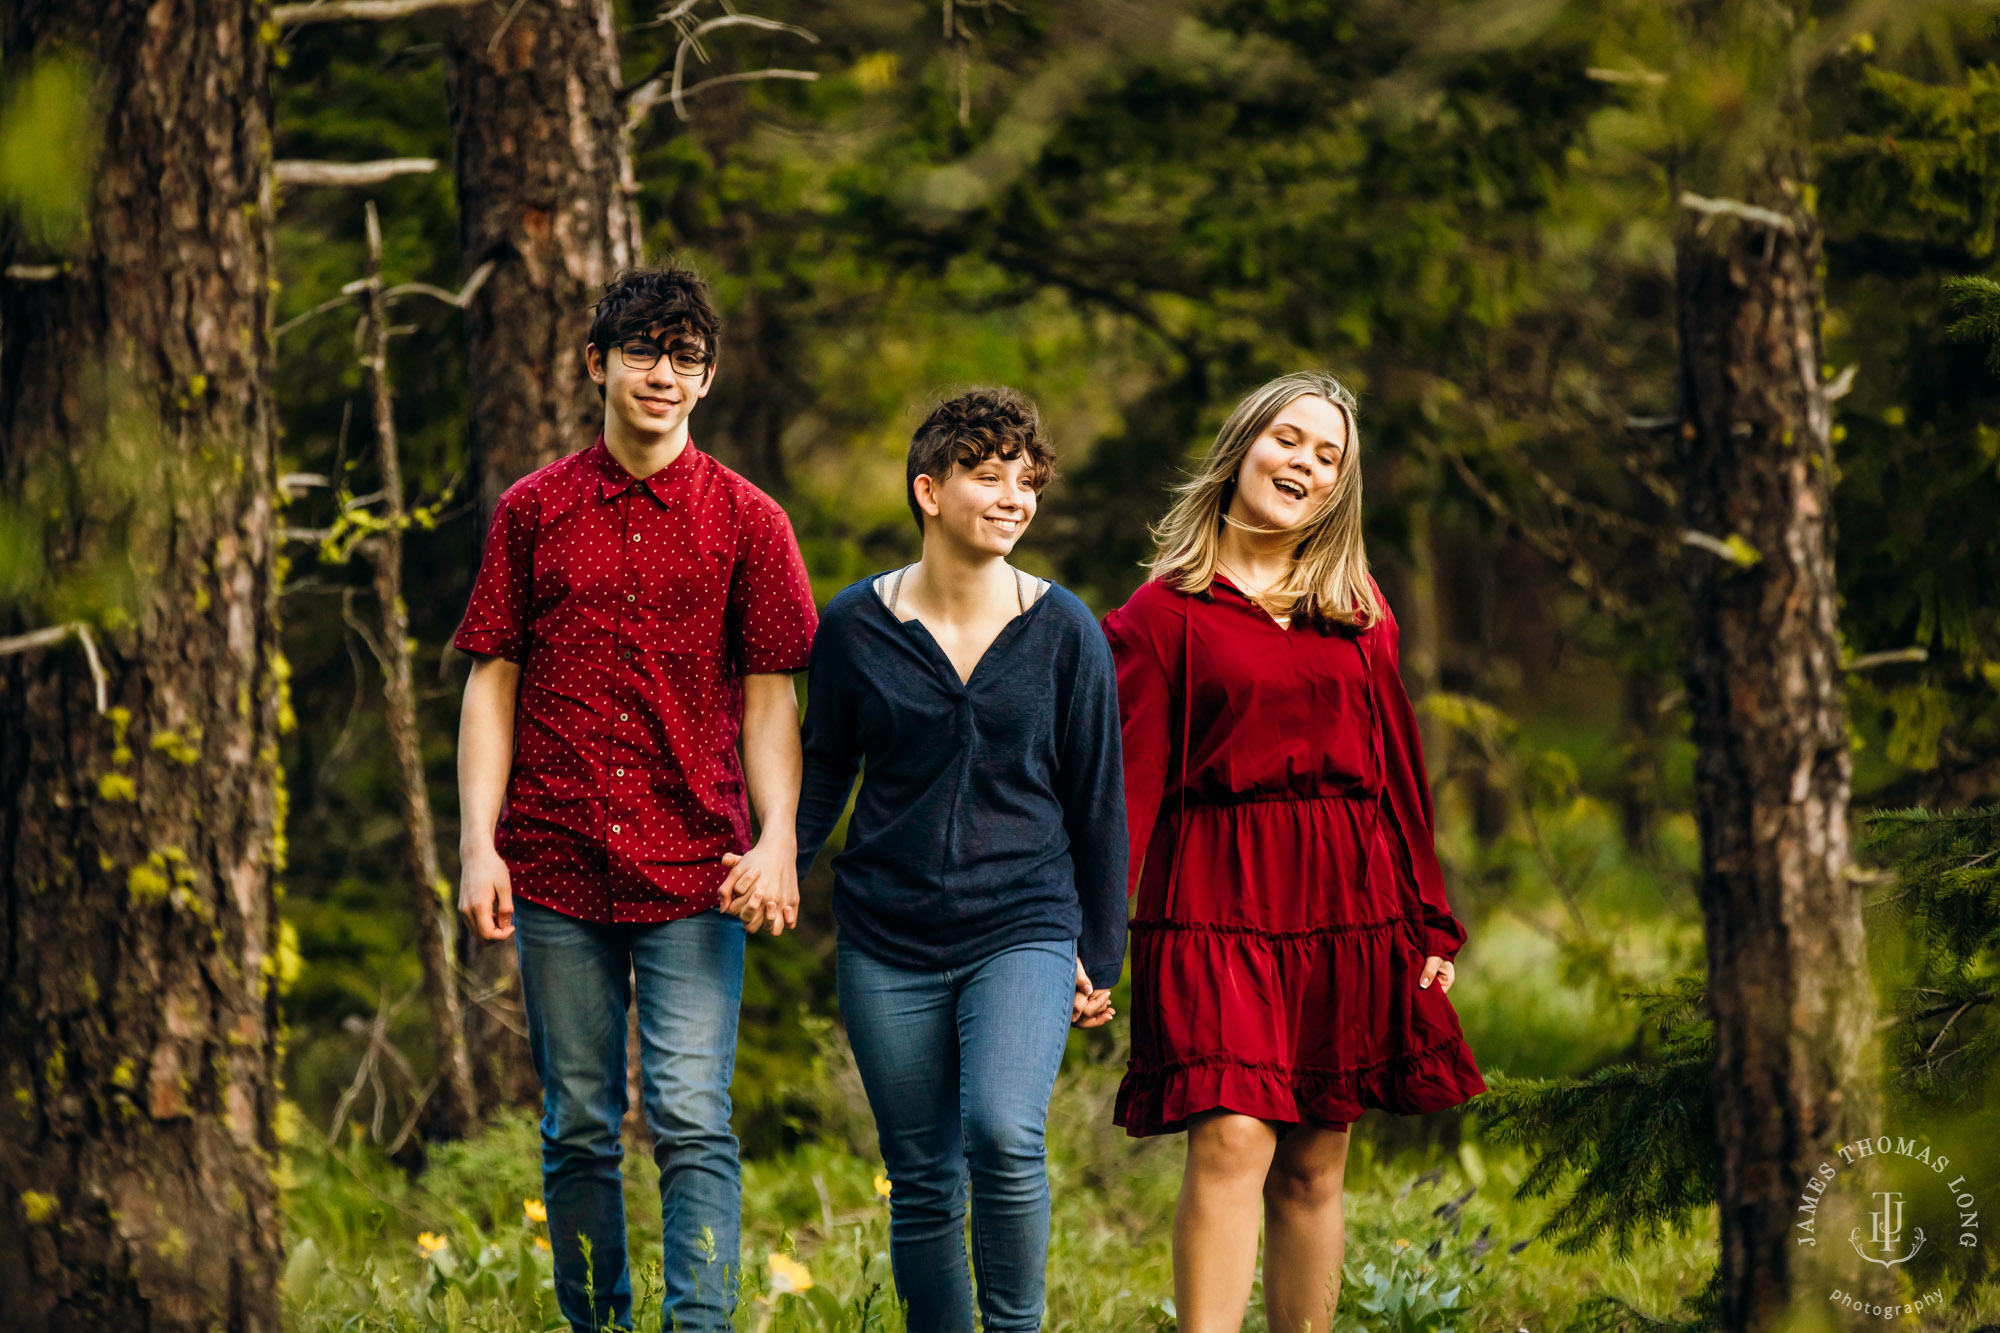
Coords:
295,172
34,272
54,634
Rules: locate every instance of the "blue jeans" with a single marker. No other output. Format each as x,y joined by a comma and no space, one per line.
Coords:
959,1066
576,978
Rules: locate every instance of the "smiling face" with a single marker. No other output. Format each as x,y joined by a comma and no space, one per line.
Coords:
984,507
651,403
1292,465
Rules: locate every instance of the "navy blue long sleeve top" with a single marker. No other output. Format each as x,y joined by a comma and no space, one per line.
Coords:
992,810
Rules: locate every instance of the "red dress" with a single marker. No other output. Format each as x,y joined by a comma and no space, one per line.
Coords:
1288,886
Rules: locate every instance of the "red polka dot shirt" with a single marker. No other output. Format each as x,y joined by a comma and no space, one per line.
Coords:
634,608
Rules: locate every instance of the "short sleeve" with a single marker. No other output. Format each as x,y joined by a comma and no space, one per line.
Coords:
496,617
771,614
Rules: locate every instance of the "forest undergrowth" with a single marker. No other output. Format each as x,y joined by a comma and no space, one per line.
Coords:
1436,1240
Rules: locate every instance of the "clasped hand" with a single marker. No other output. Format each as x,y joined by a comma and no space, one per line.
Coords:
762,888
1089,1007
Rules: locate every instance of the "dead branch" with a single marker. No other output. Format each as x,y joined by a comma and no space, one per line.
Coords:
435,927
295,172
1736,208
1560,553
648,93
359,11
54,634
33,272
1889,657
458,299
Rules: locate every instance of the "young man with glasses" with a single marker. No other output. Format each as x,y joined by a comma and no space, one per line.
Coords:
639,606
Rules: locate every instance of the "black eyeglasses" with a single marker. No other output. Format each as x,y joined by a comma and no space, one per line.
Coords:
639,355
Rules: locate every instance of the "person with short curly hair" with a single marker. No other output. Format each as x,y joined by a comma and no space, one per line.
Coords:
980,897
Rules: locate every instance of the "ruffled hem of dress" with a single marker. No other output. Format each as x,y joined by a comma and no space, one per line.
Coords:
1160,1099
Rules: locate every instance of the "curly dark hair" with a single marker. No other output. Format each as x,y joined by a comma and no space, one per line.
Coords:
976,425
673,301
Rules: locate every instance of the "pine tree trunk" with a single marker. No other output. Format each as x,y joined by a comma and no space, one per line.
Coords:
457,1106
1787,970
138,1015
545,190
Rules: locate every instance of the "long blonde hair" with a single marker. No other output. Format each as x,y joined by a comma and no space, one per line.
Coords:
1327,581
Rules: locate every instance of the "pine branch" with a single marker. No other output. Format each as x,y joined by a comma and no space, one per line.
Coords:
1629,1150
1978,302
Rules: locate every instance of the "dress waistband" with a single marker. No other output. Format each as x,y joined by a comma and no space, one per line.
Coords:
1358,795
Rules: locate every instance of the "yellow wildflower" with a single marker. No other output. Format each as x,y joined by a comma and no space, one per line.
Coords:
535,1210
788,1276
542,1244
430,1244
882,1185
1402,1244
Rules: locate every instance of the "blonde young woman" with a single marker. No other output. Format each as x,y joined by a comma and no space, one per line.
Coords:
1291,944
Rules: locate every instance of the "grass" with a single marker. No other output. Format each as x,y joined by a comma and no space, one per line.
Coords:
359,1229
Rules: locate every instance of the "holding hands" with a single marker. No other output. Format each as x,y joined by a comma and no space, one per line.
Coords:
762,887
1090,1008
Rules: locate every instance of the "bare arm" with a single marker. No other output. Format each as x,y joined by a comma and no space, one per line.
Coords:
485,757
764,883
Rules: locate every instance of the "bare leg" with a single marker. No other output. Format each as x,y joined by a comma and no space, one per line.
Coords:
1304,1229
1215,1225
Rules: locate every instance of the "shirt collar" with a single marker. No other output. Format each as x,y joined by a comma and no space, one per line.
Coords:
613,480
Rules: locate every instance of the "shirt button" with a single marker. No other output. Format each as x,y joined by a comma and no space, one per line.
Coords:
635,536
630,598
614,828
624,717
619,772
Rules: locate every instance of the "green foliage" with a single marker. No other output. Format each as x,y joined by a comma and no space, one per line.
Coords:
48,153
1977,303
1910,190
1396,1301
1947,903
1630,1147
365,1256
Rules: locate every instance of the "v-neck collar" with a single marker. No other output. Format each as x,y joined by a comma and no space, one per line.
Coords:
927,643
1257,606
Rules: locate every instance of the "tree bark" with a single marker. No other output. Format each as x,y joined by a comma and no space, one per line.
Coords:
138,1014
1787,970
545,190
457,1106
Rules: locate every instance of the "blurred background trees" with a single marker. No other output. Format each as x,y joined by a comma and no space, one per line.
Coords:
1134,212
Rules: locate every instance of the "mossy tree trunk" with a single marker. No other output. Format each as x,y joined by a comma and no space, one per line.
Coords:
1786,961
138,1016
